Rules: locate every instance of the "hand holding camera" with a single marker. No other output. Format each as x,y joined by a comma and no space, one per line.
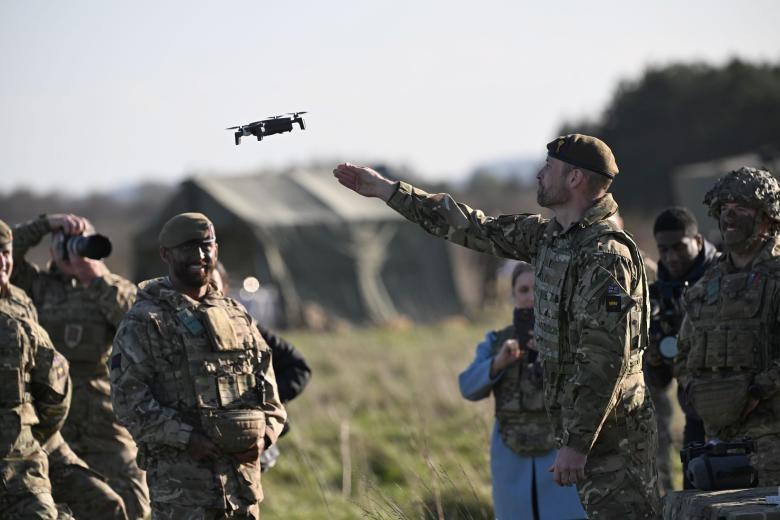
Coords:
76,252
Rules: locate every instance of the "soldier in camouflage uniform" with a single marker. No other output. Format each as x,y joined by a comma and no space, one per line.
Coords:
522,444
34,399
591,312
192,380
729,355
80,305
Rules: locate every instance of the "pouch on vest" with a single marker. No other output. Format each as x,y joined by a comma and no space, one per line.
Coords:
11,387
220,329
719,401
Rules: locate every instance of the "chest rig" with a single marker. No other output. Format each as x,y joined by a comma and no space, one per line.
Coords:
522,420
75,323
562,260
17,413
210,368
735,336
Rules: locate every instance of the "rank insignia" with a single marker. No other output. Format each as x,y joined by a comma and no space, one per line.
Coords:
613,303
116,361
73,334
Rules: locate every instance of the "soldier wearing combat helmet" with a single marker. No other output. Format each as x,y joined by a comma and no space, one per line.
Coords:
591,315
191,378
34,399
729,359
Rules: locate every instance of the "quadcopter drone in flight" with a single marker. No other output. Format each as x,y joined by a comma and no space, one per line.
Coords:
270,126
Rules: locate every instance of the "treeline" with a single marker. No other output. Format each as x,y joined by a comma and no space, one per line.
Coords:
686,113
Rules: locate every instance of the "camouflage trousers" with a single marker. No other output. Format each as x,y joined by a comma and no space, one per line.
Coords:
663,416
83,490
621,480
106,446
162,511
26,491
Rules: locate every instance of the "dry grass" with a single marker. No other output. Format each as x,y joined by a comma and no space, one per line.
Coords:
415,448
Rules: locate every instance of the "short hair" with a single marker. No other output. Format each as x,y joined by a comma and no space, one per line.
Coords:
676,218
595,182
520,268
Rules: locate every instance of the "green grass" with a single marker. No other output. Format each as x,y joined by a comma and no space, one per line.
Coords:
415,448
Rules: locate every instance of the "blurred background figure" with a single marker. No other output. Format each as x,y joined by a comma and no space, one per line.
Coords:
522,444
683,257
292,371
80,304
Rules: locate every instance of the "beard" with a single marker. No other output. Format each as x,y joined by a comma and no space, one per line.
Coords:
193,278
551,196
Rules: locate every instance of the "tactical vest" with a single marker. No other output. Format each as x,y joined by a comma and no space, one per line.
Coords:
522,420
736,335
553,296
209,365
17,413
76,325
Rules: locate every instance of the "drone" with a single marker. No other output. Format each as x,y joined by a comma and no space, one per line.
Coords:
270,126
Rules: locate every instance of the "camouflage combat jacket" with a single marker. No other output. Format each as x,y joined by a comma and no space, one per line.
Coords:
180,365
34,395
522,420
591,303
81,321
730,340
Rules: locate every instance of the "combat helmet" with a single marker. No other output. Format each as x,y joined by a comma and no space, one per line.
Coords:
754,187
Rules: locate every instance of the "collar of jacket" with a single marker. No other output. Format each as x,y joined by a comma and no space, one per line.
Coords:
161,289
602,209
769,252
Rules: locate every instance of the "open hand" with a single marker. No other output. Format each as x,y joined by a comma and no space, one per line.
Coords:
364,180
569,466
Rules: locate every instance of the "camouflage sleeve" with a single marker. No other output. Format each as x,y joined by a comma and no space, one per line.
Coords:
132,373
769,380
275,414
115,295
49,384
507,236
27,236
601,340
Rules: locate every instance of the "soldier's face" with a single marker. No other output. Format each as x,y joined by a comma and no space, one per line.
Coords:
523,291
677,252
551,190
192,262
6,265
737,225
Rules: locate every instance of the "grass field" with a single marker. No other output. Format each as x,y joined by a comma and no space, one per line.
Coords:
381,432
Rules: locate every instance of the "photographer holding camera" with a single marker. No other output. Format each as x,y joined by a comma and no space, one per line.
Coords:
80,304
683,256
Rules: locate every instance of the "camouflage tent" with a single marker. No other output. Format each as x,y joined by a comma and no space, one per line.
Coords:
314,242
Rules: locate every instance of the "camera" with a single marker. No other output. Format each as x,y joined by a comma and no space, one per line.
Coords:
86,246
717,465
666,315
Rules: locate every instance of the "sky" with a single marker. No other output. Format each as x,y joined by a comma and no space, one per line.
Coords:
98,95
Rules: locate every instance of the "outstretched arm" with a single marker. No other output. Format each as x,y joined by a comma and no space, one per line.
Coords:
507,236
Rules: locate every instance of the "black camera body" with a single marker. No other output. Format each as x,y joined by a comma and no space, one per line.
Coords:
716,465
666,315
86,246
